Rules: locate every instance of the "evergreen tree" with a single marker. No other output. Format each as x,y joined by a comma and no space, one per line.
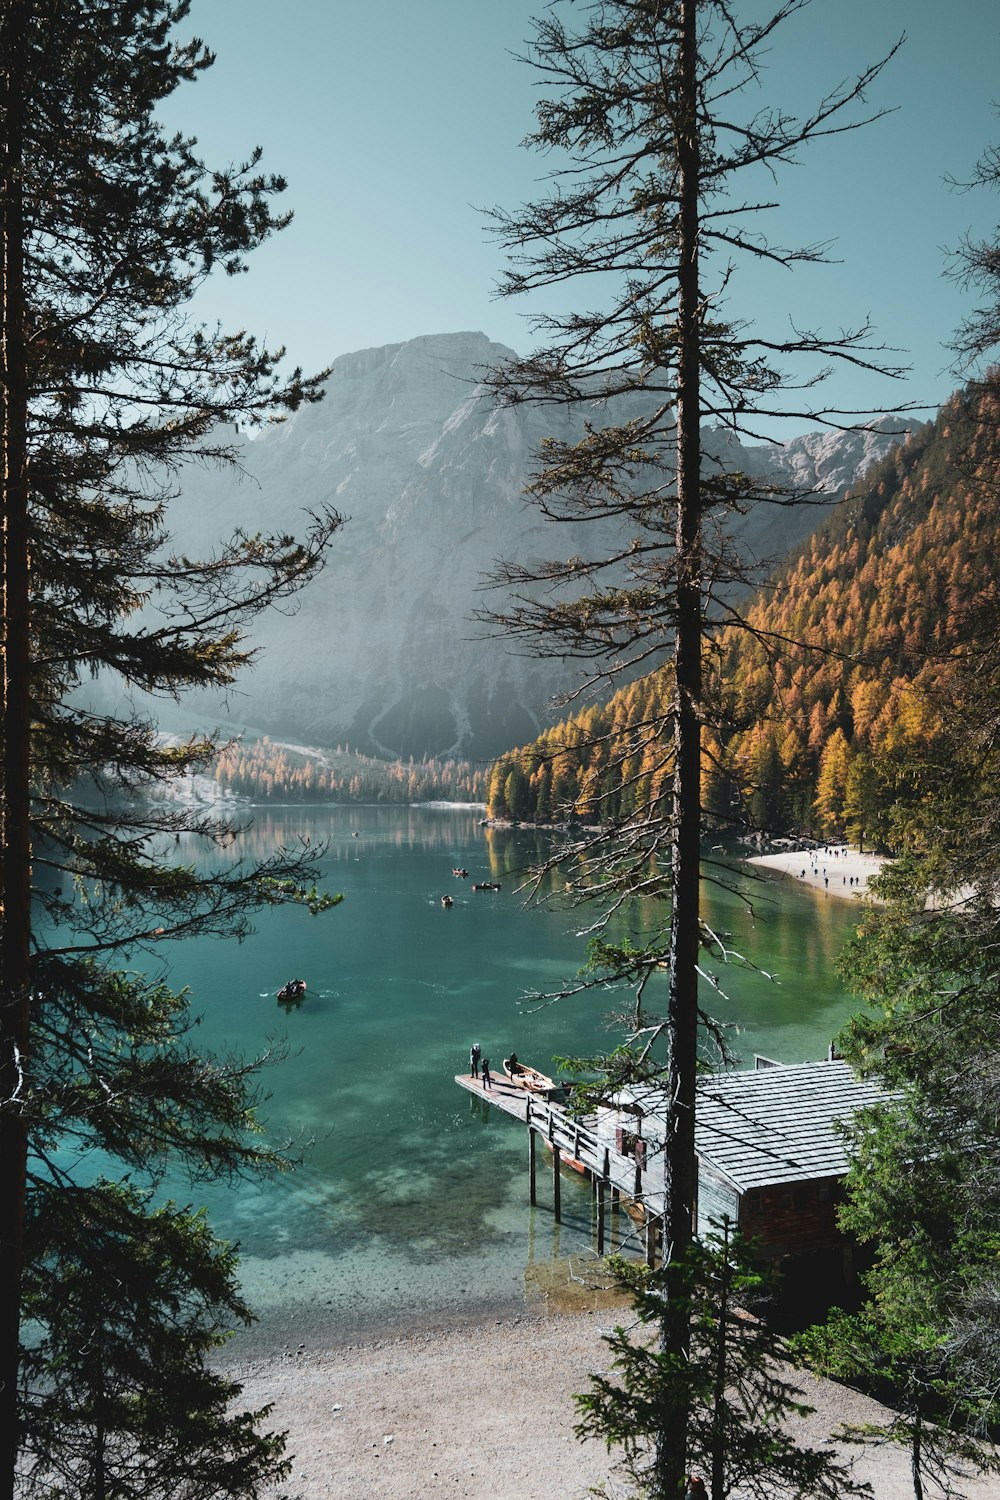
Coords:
924,1186
906,1346
109,387
641,207
119,1402
976,268
739,1395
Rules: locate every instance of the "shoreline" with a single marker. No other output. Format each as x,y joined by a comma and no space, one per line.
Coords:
838,870
484,1411
331,1310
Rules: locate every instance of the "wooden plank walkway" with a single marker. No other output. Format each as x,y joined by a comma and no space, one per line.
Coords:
573,1139
574,1136
503,1095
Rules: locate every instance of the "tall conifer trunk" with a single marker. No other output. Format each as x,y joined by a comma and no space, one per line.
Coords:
15,863
635,90
682,1002
718,1475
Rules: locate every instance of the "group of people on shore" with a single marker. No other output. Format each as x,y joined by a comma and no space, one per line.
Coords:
851,880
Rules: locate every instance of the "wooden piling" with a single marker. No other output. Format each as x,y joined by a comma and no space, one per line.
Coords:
532,1198
602,1189
556,1185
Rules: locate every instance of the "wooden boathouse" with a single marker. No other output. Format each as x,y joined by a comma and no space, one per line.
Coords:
770,1154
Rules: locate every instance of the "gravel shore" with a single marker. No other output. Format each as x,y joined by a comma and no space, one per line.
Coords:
482,1412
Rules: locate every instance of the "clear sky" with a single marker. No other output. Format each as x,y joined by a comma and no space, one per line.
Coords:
395,121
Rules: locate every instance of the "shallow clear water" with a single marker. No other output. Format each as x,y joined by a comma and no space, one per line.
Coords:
411,1204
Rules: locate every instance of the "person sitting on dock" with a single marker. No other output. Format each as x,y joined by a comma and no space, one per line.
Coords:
487,1080
513,1066
475,1053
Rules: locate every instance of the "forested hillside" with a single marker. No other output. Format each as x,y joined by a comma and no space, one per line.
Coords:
817,707
265,771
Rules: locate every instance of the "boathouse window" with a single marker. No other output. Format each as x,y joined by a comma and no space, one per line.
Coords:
823,1192
627,1143
801,1195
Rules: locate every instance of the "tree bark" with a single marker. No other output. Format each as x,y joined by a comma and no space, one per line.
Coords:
15,862
916,1460
682,1002
721,1371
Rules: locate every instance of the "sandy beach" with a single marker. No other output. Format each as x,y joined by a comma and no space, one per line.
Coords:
482,1412
837,870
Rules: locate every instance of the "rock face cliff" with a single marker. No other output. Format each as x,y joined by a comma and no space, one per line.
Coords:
381,651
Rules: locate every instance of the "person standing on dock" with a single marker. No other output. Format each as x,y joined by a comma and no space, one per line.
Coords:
487,1080
474,1055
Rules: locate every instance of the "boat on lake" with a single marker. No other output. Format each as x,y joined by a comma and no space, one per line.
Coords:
293,990
527,1078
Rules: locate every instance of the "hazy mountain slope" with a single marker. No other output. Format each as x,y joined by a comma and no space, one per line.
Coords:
381,652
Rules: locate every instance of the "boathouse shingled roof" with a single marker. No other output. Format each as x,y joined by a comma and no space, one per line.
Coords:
779,1124
773,1125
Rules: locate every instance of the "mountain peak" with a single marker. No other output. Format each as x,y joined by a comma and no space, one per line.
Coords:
381,651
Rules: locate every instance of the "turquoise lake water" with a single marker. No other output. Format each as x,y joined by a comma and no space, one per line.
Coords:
411,1205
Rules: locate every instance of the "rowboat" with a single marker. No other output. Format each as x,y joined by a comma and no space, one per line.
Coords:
528,1078
293,990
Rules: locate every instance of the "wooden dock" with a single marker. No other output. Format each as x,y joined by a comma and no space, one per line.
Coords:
573,1140
503,1095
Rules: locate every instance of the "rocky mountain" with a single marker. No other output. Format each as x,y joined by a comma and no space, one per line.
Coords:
380,652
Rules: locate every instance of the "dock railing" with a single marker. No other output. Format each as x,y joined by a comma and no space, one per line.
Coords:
608,1169
566,1134
622,1176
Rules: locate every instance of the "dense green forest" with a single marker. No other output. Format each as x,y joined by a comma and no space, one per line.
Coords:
814,713
267,772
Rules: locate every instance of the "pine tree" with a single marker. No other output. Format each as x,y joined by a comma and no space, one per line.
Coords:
736,1376
924,1186
119,1400
109,387
641,208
